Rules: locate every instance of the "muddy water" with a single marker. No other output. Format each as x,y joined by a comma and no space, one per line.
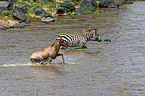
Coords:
104,69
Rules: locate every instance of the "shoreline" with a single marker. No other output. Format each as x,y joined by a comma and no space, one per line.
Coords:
17,18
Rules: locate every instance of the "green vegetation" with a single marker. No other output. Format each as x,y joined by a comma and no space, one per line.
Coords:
90,11
49,7
118,1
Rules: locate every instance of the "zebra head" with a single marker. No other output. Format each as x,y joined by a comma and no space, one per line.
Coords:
96,37
92,35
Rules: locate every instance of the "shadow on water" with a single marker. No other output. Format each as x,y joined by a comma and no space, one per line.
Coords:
46,68
76,52
48,71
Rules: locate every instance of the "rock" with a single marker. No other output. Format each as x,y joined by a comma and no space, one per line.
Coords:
4,27
18,14
60,11
91,4
3,5
69,17
107,40
39,11
83,10
51,0
87,7
1,9
47,1
25,7
69,7
83,20
127,2
108,3
102,11
31,0
47,20
13,24
18,25
1,27
10,7
12,1
6,13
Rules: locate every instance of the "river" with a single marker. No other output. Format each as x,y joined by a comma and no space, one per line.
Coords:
114,68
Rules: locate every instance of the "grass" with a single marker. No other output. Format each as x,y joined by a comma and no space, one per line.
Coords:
49,7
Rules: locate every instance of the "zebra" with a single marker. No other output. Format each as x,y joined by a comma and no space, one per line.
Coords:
79,40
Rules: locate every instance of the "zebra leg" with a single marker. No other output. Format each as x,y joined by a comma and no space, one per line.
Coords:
62,58
83,45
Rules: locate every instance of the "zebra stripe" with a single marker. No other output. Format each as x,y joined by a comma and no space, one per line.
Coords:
78,39
68,37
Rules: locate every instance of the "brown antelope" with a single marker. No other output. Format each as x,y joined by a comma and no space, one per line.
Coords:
48,53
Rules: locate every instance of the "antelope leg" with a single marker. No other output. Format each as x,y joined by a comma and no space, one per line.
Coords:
62,57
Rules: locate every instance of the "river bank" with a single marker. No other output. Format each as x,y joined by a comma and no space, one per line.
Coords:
18,14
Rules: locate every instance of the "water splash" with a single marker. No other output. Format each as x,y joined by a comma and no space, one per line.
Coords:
22,65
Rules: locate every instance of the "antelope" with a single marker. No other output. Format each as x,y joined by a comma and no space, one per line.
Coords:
48,53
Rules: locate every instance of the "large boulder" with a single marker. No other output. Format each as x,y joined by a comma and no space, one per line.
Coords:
69,7
18,14
25,7
39,11
87,7
108,3
3,5
83,10
60,11
91,4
